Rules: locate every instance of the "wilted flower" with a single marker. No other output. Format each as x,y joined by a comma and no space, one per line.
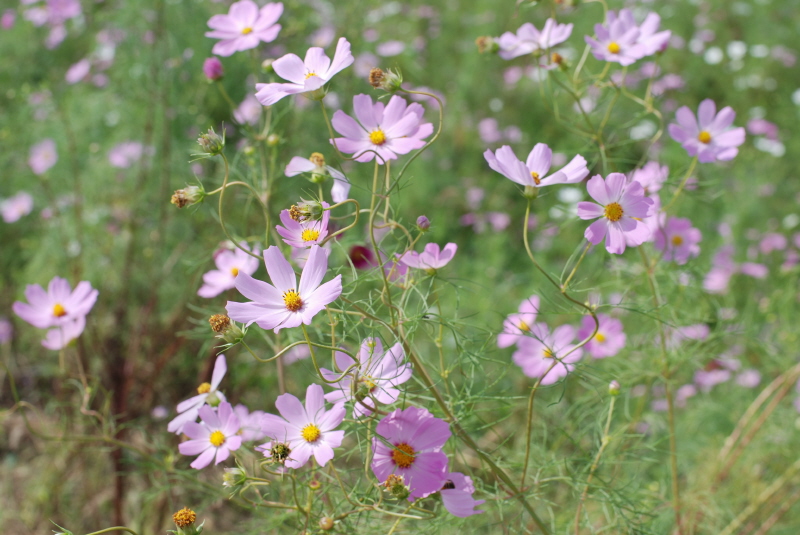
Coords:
127,153
387,80
244,27
187,196
229,264
214,438
709,137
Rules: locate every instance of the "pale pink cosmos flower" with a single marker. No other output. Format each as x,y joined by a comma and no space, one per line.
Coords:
8,18
285,304
773,241
533,172
678,240
229,264
431,258
621,208
617,42
517,326
457,495
15,208
249,111
649,38
410,446
609,340
529,40
303,234
716,372
207,393
753,269
535,354
379,374
762,127
124,155
60,337
305,76
316,166
43,156
709,136
78,71
388,130
58,305
749,378
244,27
249,423
307,431
214,438
676,336
723,268
652,176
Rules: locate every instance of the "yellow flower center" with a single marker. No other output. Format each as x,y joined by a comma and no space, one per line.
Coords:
217,439
613,211
184,517
546,353
403,455
310,74
599,338
247,30
292,300
309,234
535,177
317,159
204,388
613,47
311,433
234,271
58,310
377,137
524,327
369,382
677,240
704,137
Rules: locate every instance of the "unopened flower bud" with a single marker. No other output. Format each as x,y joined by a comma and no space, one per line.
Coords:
266,66
388,80
315,484
423,223
234,477
213,399
326,523
306,211
211,142
187,196
613,388
273,140
530,192
486,44
212,68
396,487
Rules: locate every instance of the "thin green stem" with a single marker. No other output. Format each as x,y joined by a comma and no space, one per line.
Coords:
116,528
221,218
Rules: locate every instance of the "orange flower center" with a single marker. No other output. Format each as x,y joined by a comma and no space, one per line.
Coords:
535,177
377,137
613,211
676,240
292,300
403,455
58,310
204,388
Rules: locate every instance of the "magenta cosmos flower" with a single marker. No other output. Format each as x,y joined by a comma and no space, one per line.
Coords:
678,240
214,438
457,495
609,339
617,42
389,130
709,136
244,27
303,234
516,326
316,166
43,156
431,258
411,447
622,206
533,172
535,353
305,76
207,393
305,430
58,305
229,265
529,40
285,304
378,373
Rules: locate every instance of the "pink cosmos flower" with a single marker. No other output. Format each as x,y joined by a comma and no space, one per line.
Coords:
617,42
316,166
212,69
431,258
753,269
249,423
535,353
43,156
60,337
15,208
715,372
78,71
411,447
749,378
304,234
609,340
652,176
723,268
389,130
772,241
710,136
285,304
676,336
57,306
532,172
229,264
762,127
125,154
207,393
457,495
244,27
249,111
214,438
379,374
8,19
678,240
305,76
621,207
517,326
529,40
306,430
650,39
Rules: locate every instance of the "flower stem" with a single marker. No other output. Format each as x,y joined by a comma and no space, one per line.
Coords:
221,218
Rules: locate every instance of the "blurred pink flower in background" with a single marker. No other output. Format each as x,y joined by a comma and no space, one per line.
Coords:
516,326
244,27
125,154
678,240
762,127
43,156
249,111
529,40
609,339
431,258
229,264
212,69
535,353
709,136
78,71
16,207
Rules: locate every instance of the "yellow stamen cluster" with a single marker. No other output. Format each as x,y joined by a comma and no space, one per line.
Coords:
317,159
311,433
599,338
613,47
309,234
292,300
535,177
677,240
524,327
219,323
184,517
377,137
369,382
234,271
403,455
309,75
204,388
704,137
217,438
59,310
613,211
546,353
247,30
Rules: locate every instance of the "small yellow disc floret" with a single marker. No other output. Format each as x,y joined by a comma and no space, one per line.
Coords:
311,433
377,137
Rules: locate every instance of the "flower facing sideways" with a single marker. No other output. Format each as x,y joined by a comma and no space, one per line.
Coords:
517,326
431,258
316,166
529,40
533,172
214,437
710,136
229,265
306,233
207,393
285,304
244,27
457,495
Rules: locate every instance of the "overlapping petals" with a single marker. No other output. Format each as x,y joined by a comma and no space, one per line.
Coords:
529,40
229,265
536,354
303,234
708,136
533,172
57,306
431,258
214,438
244,27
